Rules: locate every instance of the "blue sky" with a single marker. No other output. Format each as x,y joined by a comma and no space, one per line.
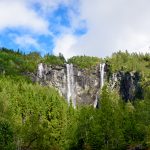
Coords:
75,27
54,17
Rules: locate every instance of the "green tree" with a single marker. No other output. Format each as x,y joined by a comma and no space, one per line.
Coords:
111,120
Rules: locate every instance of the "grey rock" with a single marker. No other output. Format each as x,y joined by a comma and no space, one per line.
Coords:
127,84
87,82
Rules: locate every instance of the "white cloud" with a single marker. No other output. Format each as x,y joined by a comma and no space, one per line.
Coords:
64,44
26,41
112,25
17,13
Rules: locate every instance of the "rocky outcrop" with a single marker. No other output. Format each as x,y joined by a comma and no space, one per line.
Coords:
127,84
84,85
53,76
87,82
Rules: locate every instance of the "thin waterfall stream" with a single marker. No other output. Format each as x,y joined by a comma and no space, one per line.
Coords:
70,85
102,80
40,70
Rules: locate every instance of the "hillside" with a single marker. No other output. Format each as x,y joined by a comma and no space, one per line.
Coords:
35,114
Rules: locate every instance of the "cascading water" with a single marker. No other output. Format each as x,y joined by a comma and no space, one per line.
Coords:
70,85
102,73
95,102
40,70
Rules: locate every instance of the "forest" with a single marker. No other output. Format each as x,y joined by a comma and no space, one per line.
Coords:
35,117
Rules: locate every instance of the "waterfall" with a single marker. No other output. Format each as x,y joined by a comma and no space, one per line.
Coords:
102,73
70,85
95,102
40,70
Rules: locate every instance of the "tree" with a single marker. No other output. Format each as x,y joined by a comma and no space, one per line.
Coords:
111,120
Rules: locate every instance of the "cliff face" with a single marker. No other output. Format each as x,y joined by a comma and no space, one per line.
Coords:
127,84
83,85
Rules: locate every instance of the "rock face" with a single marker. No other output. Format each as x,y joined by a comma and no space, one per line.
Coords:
83,85
87,83
127,84
53,76
79,85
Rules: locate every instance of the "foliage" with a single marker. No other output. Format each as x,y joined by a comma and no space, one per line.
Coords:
36,117
130,62
84,61
14,63
53,60
33,116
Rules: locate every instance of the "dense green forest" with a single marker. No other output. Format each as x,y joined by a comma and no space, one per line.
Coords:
34,117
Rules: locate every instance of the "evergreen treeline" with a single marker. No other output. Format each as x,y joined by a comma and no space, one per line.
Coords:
16,63
85,61
33,117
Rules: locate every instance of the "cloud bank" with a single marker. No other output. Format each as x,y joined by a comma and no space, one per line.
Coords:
16,14
76,27
112,25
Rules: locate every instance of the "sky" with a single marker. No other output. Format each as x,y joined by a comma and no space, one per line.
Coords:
75,27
